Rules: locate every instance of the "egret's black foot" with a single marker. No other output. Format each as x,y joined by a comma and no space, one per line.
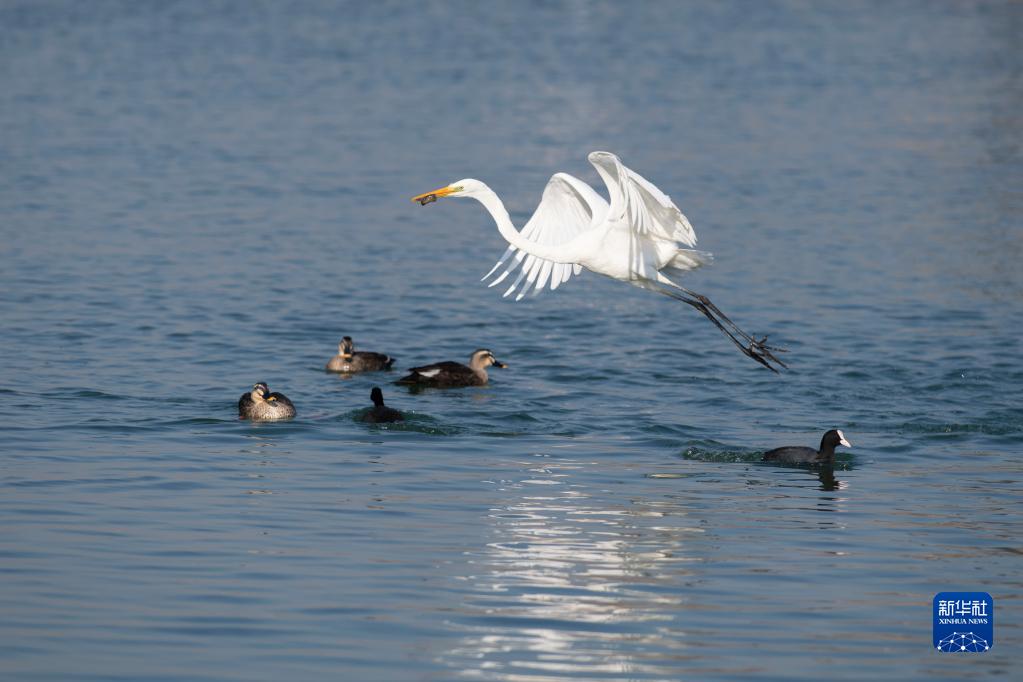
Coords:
753,347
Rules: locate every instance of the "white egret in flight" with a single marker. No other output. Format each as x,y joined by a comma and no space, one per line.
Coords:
637,238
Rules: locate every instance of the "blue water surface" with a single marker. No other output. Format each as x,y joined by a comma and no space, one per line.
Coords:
196,196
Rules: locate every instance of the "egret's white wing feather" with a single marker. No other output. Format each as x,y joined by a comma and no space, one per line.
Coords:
545,273
519,255
648,210
666,217
522,275
558,274
569,207
507,252
533,271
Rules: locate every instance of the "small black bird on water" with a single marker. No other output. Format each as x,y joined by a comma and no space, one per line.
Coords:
802,455
380,413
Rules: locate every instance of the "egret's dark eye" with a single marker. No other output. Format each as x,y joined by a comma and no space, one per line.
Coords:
428,199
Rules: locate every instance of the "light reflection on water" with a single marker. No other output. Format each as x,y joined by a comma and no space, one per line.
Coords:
589,585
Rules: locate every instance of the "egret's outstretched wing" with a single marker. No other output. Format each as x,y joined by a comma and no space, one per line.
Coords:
569,206
647,210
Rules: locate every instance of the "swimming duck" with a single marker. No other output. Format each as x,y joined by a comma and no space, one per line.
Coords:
800,455
350,360
261,405
451,374
380,413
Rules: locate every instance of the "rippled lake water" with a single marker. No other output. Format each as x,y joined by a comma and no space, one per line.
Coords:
199,196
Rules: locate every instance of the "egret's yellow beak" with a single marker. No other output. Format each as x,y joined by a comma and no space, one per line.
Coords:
430,197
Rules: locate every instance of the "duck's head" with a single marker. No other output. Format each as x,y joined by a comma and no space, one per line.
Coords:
483,358
462,188
346,348
259,392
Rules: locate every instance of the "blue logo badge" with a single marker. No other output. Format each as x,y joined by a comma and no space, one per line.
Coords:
964,622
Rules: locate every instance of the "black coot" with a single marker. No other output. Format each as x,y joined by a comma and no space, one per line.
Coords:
380,413
800,455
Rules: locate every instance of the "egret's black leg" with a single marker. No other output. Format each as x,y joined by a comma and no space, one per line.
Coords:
717,311
754,348
759,344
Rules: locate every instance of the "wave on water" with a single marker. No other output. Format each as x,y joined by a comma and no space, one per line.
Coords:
714,452
996,425
74,393
414,423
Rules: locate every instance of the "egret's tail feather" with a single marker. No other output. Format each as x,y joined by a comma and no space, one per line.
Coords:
686,260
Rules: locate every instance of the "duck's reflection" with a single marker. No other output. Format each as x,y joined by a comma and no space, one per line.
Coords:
564,584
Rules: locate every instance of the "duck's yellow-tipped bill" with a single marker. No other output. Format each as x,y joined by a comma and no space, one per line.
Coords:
429,197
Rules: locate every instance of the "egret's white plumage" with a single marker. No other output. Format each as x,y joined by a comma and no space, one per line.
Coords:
639,238
568,208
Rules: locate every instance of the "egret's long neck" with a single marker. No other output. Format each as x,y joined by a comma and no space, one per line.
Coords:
493,203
